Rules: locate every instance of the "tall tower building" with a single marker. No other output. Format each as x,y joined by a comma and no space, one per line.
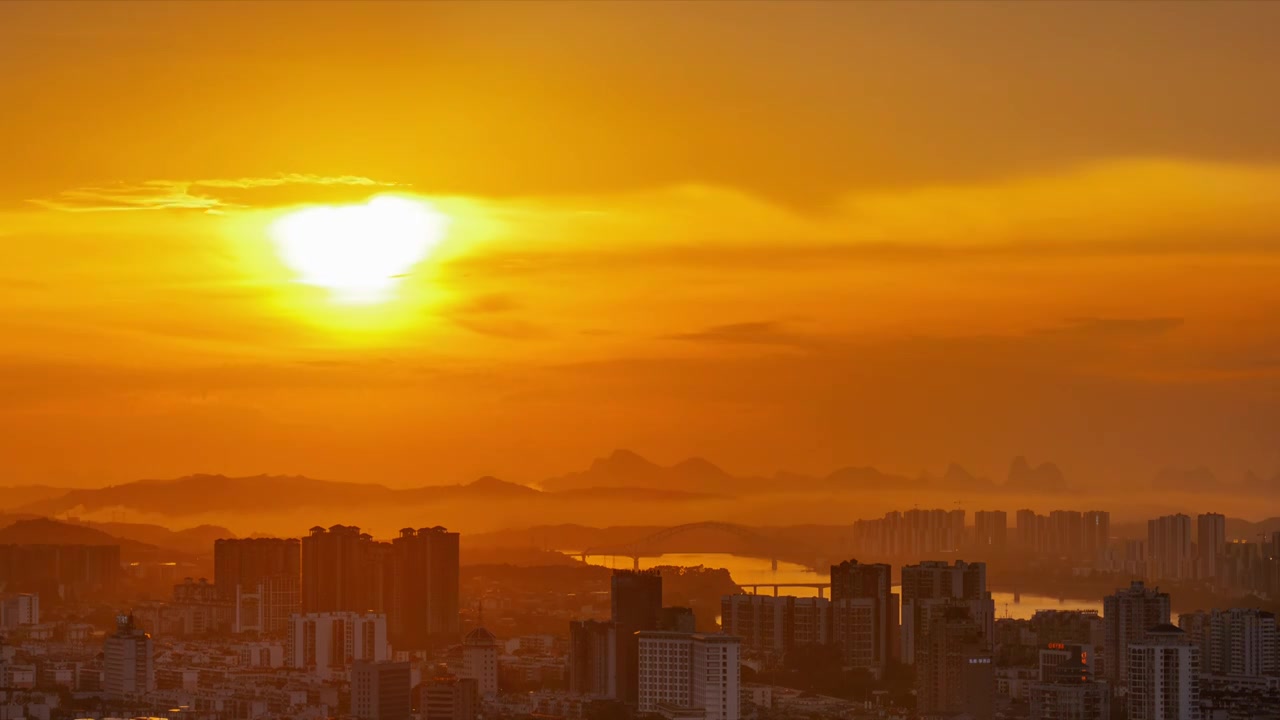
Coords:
480,661
344,570
1169,548
1164,676
934,582
592,654
1211,538
1097,532
955,670
864,614
262,577
424,603
1066,532
635,598
128,670
990,528
1126,616
380,690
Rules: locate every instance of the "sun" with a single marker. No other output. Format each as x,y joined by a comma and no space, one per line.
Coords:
359,253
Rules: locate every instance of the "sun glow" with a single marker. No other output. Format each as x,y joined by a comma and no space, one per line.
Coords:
360,253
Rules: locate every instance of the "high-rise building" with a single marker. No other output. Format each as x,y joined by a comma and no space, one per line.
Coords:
448,697
635,599
1070,693
683,671
345,570
128,669
1169,548
19,609
424,601
592,654
1097,532
261,577
1211,537
955,669
1066,533
717,676
1126,615
772,626
380,690
480,661
1164,676
327,643
864,614
1025,530
911,533
990,528
935,582
1239,641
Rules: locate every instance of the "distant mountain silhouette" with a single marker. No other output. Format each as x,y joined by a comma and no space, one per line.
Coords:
615,486
624,468
957,478
1044,478
20,495
1255,483
1199,479
45,531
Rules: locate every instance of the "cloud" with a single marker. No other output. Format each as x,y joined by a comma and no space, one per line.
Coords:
766,332
492,315
208,195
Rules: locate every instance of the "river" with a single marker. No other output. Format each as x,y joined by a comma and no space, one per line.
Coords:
748,570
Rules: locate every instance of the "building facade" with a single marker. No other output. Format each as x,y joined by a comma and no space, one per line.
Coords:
681,671
380,690
1164,676
344,570
480,661
329,644
592,654
1126,615
1240,641
939,583
424,600
635,599
127,666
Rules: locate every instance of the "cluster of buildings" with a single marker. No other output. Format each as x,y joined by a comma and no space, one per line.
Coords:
333,623
650,658
942,624
912,533
1176,548
339,625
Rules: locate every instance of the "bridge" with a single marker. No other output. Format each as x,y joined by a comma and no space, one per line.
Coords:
653,545
755,587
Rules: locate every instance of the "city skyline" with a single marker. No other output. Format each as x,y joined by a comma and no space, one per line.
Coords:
627,360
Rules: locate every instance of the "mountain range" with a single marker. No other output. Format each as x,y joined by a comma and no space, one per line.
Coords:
610,485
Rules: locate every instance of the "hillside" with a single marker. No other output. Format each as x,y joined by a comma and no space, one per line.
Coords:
44,531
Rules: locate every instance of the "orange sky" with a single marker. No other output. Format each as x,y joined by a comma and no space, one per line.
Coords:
777,235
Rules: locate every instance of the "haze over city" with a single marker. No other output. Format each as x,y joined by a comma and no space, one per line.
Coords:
639,360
